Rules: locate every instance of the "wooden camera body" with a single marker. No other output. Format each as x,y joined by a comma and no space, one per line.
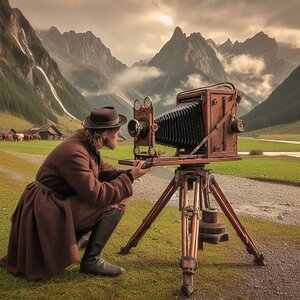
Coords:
202,127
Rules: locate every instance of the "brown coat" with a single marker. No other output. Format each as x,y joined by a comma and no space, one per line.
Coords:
82,188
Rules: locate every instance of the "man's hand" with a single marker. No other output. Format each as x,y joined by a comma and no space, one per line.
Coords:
139,170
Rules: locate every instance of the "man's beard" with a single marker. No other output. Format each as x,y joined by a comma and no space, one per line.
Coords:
110,143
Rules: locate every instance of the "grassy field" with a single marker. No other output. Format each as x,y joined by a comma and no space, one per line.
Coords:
65,123
286,137
283,169
125,148
245,144
6,121
153,270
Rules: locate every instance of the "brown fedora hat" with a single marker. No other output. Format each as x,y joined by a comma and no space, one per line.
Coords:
104,117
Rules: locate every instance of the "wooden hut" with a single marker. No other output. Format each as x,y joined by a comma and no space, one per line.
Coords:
47,132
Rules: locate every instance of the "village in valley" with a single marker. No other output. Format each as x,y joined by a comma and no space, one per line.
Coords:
51,133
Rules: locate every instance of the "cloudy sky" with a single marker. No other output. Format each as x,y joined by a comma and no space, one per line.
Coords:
137,29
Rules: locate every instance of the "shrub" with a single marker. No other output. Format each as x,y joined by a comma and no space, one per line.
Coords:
256,152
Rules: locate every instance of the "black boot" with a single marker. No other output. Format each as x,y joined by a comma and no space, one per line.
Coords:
83,240
91,262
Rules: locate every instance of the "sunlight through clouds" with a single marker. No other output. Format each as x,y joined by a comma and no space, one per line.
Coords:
162,18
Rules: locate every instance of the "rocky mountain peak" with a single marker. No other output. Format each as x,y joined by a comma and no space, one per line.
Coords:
83,50
182,56
259,45
178,35
226,47
53,32
195,35
227,43
212,43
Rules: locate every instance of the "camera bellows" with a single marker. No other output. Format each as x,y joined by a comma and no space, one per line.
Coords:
181,127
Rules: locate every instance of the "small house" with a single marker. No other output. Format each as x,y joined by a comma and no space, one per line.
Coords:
47,132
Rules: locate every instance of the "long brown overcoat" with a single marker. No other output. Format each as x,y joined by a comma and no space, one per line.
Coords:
80,189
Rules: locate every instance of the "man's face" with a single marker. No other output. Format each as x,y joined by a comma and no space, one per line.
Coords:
112,138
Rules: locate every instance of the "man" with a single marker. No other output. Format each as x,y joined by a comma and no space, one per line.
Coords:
75,191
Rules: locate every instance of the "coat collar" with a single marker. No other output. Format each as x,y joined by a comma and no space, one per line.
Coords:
84,140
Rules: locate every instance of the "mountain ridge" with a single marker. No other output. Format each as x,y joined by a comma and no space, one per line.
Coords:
281,107
183,63
31,84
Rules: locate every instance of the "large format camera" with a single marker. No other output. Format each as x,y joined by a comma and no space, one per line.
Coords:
203,126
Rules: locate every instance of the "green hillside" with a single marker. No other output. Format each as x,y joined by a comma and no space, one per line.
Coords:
24,90
289,132
282,106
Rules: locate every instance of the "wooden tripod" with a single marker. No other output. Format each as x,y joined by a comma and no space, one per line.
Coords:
201,181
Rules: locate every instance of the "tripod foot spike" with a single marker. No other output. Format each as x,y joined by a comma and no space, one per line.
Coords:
259,260
124,250
187,289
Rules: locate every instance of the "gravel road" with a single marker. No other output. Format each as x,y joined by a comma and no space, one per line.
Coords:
272,201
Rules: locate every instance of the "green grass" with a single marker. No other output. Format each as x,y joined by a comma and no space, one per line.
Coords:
125,149
9,121
153,270
286,137
281,168
247,145
32,147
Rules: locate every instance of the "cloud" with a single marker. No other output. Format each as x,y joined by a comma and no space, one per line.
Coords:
126,81
251,69
167,20
260,89
133,77
123,25
246,103
193,81
245,64
170,99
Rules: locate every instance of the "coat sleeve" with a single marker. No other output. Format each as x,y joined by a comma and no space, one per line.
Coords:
109,172
75,169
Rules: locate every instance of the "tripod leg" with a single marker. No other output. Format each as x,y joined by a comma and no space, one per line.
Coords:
155,211
235,222
189,260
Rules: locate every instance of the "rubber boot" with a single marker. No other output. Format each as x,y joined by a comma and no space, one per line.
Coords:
92,262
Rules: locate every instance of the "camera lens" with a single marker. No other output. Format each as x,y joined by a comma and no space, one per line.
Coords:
238,125
133,127
138,128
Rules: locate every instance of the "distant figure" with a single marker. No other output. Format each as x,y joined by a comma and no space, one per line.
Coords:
75,192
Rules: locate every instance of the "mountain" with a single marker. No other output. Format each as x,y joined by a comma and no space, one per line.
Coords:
180,57
281,107
31,85
82,58
90,66
187,62
270,61
226,47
